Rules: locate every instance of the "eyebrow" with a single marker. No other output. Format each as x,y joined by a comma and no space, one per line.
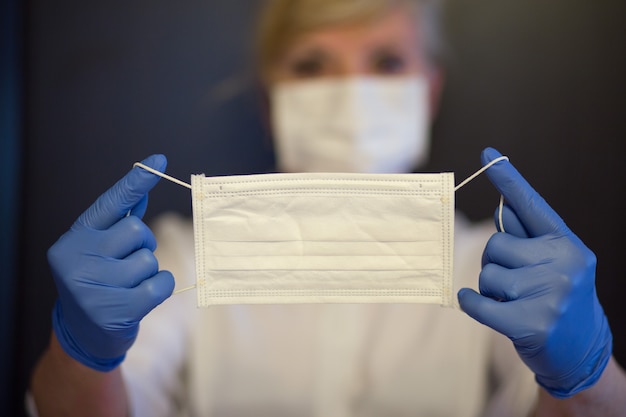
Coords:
308,52
390,47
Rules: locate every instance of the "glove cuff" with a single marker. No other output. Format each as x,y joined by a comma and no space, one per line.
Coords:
73,348
598,361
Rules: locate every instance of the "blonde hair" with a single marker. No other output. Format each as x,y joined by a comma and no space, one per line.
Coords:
282,21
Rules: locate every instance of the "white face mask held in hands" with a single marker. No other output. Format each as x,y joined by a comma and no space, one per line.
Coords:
355,124
324,238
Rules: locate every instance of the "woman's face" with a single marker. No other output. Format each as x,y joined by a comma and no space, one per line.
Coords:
389,46
354,125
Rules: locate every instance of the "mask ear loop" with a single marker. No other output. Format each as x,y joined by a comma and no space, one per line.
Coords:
162,175
477,173
176,181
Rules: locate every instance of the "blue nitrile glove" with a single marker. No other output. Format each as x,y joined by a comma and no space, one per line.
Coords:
106,273
537,287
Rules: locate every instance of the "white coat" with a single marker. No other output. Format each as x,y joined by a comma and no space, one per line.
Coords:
322,360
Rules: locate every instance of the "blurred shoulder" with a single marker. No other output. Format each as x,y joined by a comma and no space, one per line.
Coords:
469,233
172,225
175,246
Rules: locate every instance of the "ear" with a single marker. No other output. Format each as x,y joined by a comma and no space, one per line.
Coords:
435,78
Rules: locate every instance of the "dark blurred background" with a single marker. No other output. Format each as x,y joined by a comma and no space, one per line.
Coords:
89,88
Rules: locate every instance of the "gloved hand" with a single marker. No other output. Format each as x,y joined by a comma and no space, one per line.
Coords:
537,286
106,273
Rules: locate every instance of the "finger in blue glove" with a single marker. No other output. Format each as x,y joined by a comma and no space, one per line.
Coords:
106,273
537,286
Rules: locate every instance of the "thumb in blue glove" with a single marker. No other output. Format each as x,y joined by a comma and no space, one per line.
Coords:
537,286
106,273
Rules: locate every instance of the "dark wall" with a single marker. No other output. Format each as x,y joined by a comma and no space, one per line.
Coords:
109,83
10,140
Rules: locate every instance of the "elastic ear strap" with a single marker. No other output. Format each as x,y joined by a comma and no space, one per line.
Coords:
191,287
162,175
480,171
500,222
477,173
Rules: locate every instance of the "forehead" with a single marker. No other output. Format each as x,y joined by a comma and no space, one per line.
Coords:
397,27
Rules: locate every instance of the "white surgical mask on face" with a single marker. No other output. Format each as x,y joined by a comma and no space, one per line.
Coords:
355,124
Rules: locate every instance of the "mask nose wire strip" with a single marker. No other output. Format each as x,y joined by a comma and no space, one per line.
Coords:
176,181
477,173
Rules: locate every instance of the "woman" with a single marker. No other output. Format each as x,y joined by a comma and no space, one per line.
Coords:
338,74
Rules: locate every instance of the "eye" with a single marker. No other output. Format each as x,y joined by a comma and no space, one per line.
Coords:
306,67
312,63
387,62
